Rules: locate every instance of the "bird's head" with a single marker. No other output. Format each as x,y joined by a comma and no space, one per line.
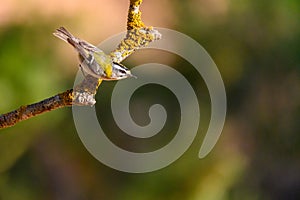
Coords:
119,72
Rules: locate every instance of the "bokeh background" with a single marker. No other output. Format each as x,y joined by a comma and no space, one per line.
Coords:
256,46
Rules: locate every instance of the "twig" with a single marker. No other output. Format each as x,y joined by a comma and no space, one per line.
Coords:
83,94
25,112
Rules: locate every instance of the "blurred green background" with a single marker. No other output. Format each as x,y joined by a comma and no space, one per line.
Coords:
255,44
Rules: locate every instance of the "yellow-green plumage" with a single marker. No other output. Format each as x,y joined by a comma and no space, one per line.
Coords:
105,62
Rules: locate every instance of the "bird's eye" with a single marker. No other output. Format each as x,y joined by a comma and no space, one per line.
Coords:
122,71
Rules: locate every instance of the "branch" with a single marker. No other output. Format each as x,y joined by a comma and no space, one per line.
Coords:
25,112
83,94
138,35
134,15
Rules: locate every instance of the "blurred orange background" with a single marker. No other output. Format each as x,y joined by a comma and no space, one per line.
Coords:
255,45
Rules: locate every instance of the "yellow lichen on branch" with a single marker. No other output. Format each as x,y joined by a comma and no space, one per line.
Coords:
134,19
135,39
138,35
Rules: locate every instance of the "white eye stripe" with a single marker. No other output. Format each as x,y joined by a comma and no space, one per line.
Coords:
119,66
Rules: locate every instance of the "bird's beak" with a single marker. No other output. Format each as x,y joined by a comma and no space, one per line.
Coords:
131,75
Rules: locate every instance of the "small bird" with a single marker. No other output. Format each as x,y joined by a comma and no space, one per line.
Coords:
93,60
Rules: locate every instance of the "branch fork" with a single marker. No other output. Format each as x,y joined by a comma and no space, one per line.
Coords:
138,36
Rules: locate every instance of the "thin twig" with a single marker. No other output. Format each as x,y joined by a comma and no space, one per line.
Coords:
83,94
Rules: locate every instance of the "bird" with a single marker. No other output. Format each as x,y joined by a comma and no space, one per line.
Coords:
93,60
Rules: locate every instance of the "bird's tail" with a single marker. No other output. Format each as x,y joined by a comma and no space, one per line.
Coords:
82,47
63,34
